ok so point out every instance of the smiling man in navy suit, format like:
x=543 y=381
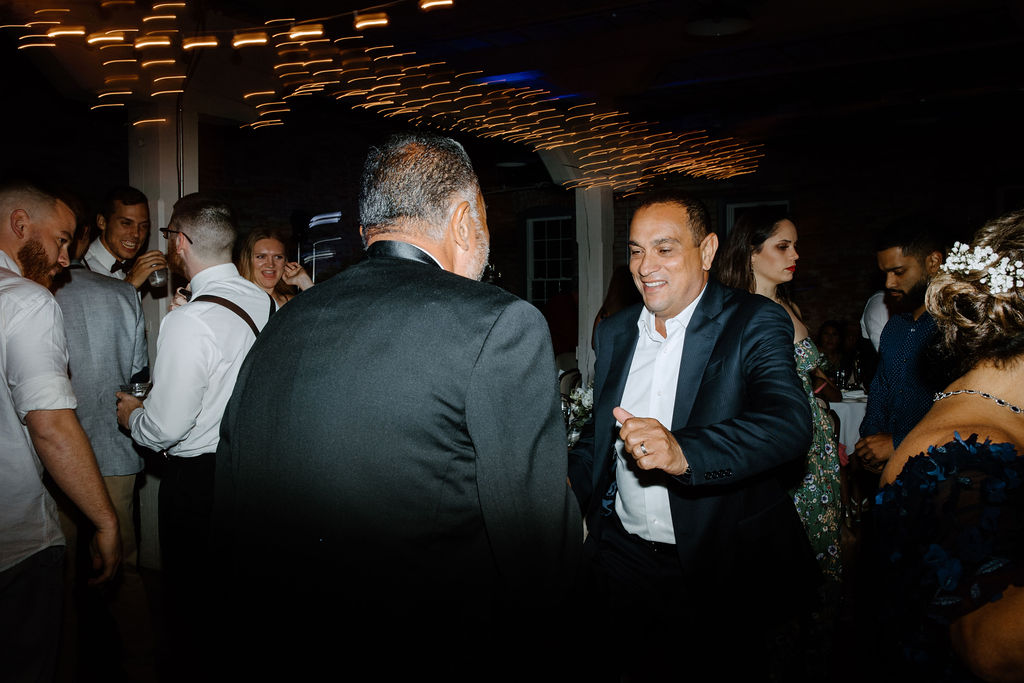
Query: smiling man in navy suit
x=694 y=549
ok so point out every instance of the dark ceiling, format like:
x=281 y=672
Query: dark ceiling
x=796 y=68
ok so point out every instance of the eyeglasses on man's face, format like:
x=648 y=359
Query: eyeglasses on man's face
x=167 y=231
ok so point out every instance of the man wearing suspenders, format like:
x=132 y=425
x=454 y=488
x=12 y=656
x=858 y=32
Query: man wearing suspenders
x=199 y=352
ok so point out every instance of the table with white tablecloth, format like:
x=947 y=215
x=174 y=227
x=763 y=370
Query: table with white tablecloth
x=850 y=412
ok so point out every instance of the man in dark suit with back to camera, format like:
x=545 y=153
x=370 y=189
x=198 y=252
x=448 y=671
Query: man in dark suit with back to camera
x=694 y=548
x=393 y=454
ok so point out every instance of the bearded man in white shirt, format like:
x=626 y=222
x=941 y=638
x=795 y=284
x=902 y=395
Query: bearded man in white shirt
x=39 y=430
x=200 y=349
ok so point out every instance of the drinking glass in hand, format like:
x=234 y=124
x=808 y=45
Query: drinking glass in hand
x=158 y=277
x=137 y=389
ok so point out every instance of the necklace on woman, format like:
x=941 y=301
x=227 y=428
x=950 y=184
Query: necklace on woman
x=1006 y=404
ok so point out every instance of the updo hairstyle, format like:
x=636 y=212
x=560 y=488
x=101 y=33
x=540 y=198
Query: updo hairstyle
x=976 y=324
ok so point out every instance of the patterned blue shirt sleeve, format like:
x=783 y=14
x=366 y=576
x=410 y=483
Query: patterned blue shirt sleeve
x=903 y=386
x=876 y=411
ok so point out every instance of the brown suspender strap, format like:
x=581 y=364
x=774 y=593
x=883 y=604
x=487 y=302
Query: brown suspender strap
x=232 y=306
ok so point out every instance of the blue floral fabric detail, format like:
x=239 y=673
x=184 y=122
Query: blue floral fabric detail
x=948 y=538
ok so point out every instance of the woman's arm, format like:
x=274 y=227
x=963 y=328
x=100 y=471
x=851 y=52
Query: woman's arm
x=990 y=640
x=824 y=387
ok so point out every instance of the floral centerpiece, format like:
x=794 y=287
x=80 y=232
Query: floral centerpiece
x=576 y=409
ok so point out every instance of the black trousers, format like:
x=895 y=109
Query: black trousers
x=664 y=626
x=31 y=596
x=185 y=515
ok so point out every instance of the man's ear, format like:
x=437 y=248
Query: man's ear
x=708 y=249
x=19 y=222
x=932 y=262
x=182 y=246
x=101 y=222
x=461 y=225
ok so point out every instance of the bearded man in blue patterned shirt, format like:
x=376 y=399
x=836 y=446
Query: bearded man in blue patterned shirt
x=901 y=391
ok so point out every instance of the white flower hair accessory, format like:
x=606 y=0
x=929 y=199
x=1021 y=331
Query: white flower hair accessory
x=1000 y=275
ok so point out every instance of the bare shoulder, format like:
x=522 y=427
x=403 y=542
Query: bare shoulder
x=939 y=428
x=799 y=328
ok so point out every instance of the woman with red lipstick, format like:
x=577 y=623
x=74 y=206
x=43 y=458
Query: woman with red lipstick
x=759 y=255
x=263 y=261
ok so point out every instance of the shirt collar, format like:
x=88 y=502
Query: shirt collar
x=221 y=271
x=9 y=263
x=646 y=321
x=99 y=253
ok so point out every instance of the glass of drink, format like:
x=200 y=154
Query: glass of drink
x=158 y=277
x=137 y=389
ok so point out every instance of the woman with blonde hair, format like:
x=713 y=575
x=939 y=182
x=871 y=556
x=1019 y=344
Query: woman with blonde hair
x=262 y=260
x=950 y=513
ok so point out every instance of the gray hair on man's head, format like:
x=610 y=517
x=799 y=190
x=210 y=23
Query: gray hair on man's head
x=412 y=183
x=209 y=223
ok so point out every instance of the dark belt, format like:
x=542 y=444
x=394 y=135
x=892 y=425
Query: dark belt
x=652 y=546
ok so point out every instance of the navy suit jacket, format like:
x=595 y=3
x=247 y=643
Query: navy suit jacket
x=744 y=424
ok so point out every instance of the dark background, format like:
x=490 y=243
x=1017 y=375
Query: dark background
x=863 y=117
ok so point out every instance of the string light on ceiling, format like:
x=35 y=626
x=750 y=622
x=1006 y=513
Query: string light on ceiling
x=193 y=42
x=101 y=37
x=306 y=31
x=370 y=20
x=249 y=38
x=610 y=150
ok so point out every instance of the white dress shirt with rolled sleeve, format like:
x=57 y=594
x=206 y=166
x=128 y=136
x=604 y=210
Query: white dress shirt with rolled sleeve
x=34 y=376
x=199 y=352
x=642 y=502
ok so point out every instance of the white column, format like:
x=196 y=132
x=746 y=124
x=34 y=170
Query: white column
x=163 y=162
x=595 y=234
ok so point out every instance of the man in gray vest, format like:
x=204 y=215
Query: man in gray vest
x=106 y=336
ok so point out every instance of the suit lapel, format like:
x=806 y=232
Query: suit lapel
x=701 y=335
x=623 y=345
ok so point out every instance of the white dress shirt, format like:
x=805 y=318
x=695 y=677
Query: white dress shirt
x=642 y=502
x=99 y=260
x=198 y=355
x=874 y=318
x=34 y=376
